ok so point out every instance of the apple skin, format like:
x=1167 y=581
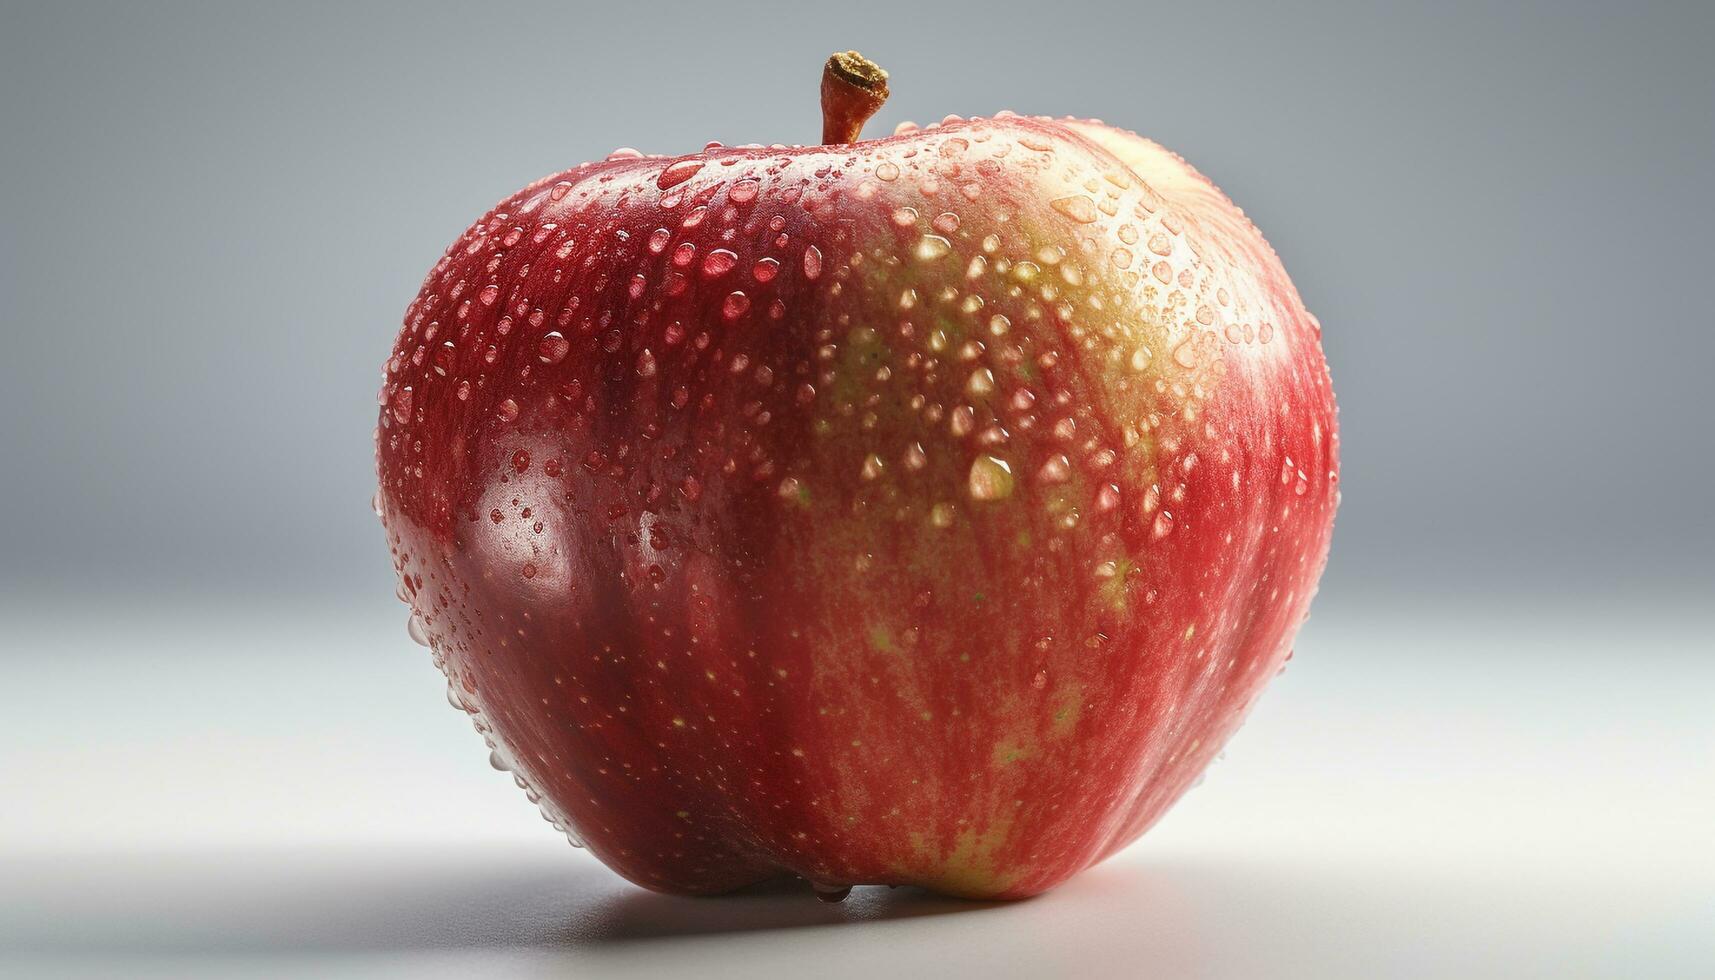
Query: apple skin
x=927 y=510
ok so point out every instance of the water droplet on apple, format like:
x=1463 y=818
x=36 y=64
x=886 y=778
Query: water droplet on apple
x=1107 y=498
x=1078 y=208
x=981 y=382
x=498 y=762
x=832 y=893
x=736 y=304
x=1058 y=469
x=1163 y=525
x=932 y=247
x=765 y=269
x=678 y=173
x=812 y=263
x=990 y=478
x=719 y=262
x=915 y=458
x=964 y=420
x=744 y=191
x=414 y=629
x=402 y=405
x=553 y=348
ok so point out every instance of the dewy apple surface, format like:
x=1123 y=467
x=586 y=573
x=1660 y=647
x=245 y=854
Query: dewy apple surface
x=925 y=510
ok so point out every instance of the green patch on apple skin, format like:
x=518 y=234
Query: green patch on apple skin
x=881 y=640
x=1068 y=707
x=864 y=351
x=1115 y=590
x=1063 y=501
x=1006 y=753
x=966 y=870
x=920 y=846
x=970 y=869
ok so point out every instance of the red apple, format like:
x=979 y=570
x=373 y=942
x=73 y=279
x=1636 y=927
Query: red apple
x=922 y=510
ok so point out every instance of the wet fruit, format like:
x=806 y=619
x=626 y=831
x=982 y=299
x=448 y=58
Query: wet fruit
x=921 y=510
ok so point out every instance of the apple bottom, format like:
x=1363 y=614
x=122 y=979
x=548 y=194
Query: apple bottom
x=702 y=731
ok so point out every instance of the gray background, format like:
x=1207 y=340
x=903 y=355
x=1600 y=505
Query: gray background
x=1491 y=756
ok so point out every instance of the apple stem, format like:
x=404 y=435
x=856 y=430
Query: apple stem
x=853 y=88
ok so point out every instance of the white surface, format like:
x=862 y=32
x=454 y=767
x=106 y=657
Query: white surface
x=1435 y=790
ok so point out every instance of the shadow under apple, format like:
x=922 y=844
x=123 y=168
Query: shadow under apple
x=478 y=911
x=377 y=901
